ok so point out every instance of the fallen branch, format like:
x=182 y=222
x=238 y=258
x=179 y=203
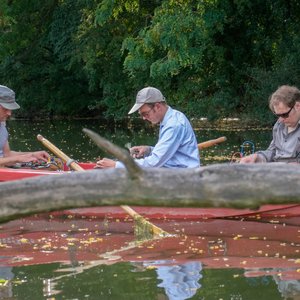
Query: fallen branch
x=134 y=171
x=222 y=185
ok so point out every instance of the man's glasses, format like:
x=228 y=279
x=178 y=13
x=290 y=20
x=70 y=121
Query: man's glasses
x=146 y=114
x=284 y=115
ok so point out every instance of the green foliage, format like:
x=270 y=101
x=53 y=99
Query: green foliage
x=37 y=65
x=210 y=58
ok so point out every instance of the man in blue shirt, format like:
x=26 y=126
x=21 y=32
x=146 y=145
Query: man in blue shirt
x=177 y=145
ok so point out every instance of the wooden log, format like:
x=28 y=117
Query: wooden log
x=220 y=185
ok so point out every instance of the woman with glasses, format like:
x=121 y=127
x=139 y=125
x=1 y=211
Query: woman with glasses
x=285 y=146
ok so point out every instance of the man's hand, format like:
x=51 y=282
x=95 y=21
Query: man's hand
x=41 y=155
x=140 y=151
x=105 y=163
x=250 y=159
x=23 y=158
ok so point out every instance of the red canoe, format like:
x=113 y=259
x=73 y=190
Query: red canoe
x=9 y=174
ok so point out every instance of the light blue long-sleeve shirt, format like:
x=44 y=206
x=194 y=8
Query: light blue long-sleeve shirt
x=176 y=147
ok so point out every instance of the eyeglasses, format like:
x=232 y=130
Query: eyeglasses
x=146 y=114
x=284 y=115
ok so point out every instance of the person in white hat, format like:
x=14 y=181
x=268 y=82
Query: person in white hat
x=7 y=156
x=177 y=145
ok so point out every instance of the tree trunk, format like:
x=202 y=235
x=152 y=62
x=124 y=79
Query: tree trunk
x=220 y=185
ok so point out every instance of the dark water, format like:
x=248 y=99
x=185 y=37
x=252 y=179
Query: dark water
x=68 y=257
x=122 y=281
x=68 y=136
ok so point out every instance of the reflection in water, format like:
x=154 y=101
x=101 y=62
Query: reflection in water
x=179 y=281
x=83 y=252
x=6 y=276
x=289 y=289
x=49 y=289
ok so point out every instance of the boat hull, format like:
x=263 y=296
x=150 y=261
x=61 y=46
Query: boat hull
x=10 y=174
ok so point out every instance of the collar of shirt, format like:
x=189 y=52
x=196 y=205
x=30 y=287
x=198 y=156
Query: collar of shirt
x=167 y=116
x=288 y=130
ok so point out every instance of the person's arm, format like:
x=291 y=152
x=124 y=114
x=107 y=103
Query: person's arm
x=12 y=157
x=105 y=163
x=253 y=158
x=260 y=156
x=136 y=152
x=267 y=155
x=264 y=155
x=160 y=154
x=140 y=151
x=167 y=145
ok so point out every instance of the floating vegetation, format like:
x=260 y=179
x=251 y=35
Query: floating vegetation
x=67 y=135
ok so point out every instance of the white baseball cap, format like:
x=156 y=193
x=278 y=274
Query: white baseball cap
x=147 y=95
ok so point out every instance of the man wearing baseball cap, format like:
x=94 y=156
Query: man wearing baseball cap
x=7 y=156
x=177 y=145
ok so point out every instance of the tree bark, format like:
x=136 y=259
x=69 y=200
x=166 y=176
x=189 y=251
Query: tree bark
x=220 y=185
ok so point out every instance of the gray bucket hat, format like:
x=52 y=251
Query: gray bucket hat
x=147 y=95
x=7 y=98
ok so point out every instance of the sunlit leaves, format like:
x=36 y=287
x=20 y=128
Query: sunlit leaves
x=109 y=9
x=167 y=42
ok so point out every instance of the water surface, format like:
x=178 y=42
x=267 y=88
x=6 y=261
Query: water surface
x=68 y=136
x=74 y=256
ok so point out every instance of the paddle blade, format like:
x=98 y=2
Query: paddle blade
x=143 y=229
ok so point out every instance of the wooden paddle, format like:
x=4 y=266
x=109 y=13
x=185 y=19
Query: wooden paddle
x=66 y=159
x=154 y=230
x=147 y=227
x=211 y=143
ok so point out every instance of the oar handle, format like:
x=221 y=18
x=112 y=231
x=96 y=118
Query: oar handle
x=66 y=159
x=211 y=143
